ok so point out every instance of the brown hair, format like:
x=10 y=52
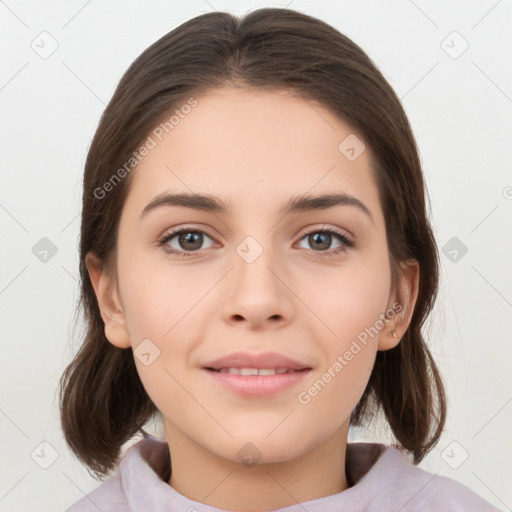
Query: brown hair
x=103 y=402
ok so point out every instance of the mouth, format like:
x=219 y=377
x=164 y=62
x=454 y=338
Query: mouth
x=256 y=375
x=256 y=371
x=256 y=383
x=247 y=363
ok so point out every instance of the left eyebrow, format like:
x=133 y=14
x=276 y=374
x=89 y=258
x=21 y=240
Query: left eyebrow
x=297 y=204
x=308 y=202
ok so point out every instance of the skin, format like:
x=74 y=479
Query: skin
x=255 y=149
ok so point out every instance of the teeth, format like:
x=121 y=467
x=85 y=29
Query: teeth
x=255 y=371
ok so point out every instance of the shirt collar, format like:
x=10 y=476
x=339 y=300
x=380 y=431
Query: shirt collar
x=145 y=471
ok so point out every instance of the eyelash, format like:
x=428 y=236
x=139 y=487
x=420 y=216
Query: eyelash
x=346 y=242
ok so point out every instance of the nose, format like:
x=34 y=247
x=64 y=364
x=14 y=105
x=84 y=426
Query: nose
x=258 y=295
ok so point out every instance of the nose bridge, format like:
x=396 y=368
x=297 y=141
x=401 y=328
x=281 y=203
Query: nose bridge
x=255 y=259
x=256 y=293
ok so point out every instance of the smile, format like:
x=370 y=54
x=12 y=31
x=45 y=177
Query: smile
x=254 y=371
x=256 y=382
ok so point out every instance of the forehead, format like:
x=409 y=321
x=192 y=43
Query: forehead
x=253 y=147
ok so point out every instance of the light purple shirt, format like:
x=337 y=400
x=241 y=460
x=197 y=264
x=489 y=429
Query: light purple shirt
x=385 y=480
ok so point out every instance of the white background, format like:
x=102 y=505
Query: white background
x=460 y=109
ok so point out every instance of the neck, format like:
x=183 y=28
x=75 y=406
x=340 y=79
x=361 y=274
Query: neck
x=206 y=477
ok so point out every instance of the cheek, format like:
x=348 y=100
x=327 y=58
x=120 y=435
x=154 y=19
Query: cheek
x=163 y=308
x=347 y=300
x=350 y=303
x=332 y=394
x=161 y=298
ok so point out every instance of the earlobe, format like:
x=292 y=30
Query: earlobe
x=108 y=301
x=402 y=302
x=388 y=338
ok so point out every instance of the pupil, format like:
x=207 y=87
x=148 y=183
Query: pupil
x=190 y=238
x=320 y=240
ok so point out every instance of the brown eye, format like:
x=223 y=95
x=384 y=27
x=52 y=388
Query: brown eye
x=191 y=240
x=321 y=240
x=183 y=241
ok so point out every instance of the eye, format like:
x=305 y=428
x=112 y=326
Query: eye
x=187 y=240
x=321 y=239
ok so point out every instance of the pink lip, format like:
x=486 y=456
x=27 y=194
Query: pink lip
x=257 y=386
x=248 y=360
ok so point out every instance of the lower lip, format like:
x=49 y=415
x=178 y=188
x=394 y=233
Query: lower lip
x=258 y=386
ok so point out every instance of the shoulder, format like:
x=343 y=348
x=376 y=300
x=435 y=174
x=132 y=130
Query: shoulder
x=108 y=496
x=404 y=486
x=143 y=468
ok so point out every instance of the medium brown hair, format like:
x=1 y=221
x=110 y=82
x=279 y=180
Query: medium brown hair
x=102 y=400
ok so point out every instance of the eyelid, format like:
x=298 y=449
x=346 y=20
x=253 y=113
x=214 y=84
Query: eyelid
x=305 y=231
x=187 y=227
x=313 y=228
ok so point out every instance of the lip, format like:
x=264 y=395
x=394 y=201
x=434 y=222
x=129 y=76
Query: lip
x=263 y=360
x=256 y=386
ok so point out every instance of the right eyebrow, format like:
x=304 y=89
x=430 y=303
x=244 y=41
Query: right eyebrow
x=203 y=202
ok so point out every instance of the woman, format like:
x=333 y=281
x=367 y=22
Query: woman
x=274 y=146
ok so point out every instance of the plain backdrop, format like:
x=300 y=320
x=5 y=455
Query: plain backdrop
x=450 y=64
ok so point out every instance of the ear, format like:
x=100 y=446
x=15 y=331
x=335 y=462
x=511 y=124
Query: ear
x=402 y=302
x=109 y=302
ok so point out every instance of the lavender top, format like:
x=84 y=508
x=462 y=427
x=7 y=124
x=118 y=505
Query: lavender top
x=383 y=480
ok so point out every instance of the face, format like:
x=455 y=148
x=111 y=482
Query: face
x=312 y=284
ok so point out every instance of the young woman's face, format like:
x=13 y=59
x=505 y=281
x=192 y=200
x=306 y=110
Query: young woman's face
x=253 y=278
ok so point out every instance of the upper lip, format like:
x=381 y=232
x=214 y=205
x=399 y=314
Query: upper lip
x=248 y=360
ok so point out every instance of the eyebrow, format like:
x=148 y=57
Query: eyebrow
x=297 y=204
